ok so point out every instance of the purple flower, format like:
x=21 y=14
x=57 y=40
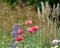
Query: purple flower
x=12 y=44
x=13 y=39
x=16 y=27
x=13 y=33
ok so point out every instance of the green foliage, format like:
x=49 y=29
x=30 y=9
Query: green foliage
x=34 y=3
x=51 y=2
x=10 y=2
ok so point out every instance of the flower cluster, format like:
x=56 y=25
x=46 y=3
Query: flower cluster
x=17 y=31
x=33 y=28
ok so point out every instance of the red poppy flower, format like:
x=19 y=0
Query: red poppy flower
x=29 y=30
x=35 y=27
x=29 y=22
x=19 y=38
x=20 y=31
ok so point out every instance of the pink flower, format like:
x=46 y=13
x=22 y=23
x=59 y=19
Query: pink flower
x=29 y=30
x=20 y=31
x=35 y=27
x=29 y=22
x=19 y=38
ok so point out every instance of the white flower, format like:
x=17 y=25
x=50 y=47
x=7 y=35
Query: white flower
x=55 y=41
x=16 y=47
x=59 y=41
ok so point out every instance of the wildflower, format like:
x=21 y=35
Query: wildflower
x=29 y=22
x=59 y=41
x=19 y=38
x=12 y=44
x=29 y=30
x=35 y=27
x=13 y=33
x=16 y=27
x=20 y=31
x=55 y=41
x=13 y=39
x=16 y=47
